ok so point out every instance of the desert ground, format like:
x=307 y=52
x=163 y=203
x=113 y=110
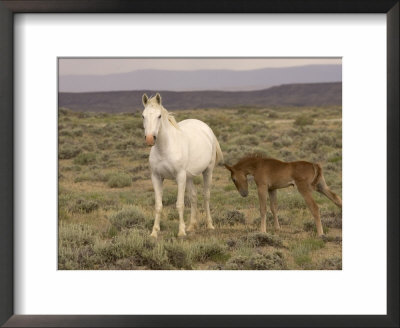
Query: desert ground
x=106 y=198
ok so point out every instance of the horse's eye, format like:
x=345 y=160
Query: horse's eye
x=159 y=116
x=233 y=179
x=142 y=116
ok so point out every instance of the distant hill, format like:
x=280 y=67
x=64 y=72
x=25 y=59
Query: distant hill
x=201 y=80
x=315 y=94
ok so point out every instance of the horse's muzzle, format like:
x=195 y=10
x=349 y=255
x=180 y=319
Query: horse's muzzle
x=150 y=140
x=244 y=193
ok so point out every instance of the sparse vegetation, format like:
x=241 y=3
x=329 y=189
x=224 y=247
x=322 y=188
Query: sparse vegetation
x=68 y=151
x=303 y=120
x=106 y=199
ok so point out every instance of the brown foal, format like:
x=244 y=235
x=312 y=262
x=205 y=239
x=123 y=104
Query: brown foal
x=271 y=174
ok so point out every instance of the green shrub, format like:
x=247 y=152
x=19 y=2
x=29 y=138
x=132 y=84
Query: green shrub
x=272 y=137
x=230 y=218
x=75 y=246
x=130 y=144
x=91 y=176
x=77 y=132
x=271 y=261
x=210 y=250
x=85 y=158
x=119 y=180
x=286 y=153
x=334 y=263
x=76 y=258
x=286 y=141
x=252 y=140
x=291 y=200
x=169 y=198
x=309 y=226
x=247 y=139
x=264 y=261
x=257 y=239
x=156 y=259
x=132 y=244
x=177 y=256
x=335 y=159
x=82 y=205
x=303 y=120
x=128 y=217
x=332 y=220
x=277 y=144
x=75 y=234
x=239 y=262
x=230 y=187
x=301 y=250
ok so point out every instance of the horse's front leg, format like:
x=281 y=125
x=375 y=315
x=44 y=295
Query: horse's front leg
x=262 y=197
x=180 y=202
x=157 y=185
x=191 y=189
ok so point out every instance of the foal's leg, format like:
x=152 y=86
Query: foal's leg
x=262 y=197
x=180 y=202
x=273 y=205
x=158 y=191
x=191 y=189
x=207 y=177
x=306 y=191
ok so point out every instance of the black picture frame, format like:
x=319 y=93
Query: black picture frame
x=7 y=10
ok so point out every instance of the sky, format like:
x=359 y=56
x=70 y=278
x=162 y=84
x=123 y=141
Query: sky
x=106 y=66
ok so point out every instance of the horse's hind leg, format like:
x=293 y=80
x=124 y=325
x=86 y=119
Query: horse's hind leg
x=306 y=191
x=323 y=188
x=273 y=205
x=158 y=191
x=191 y=189
x=207 y=177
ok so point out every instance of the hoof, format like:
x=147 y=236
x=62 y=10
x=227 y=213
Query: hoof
x=154 y=234
x=191 y=227
x=323 y=237
x=277 y=228
x=210 y=227
x=181 y=234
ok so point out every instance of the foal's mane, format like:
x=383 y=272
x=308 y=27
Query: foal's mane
x=250 y=159
x=165 y=114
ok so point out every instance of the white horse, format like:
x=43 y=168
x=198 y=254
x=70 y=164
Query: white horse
x=179 y=151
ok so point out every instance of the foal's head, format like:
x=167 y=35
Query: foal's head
x=151 y=118
x=239 y=178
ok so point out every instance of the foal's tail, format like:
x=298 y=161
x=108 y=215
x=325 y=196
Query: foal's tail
x=220 y=156
x=317 y=175
x=320 y=185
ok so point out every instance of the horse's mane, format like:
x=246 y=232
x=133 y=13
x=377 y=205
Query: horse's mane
x=170 y=117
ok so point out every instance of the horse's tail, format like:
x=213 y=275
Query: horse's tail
x=317 y=175
x=220 y=156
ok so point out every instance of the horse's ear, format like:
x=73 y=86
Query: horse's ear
x=158 y=98
x=228 y=167
x=144 y=99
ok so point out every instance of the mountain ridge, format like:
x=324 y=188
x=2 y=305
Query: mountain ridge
x=293 y=95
